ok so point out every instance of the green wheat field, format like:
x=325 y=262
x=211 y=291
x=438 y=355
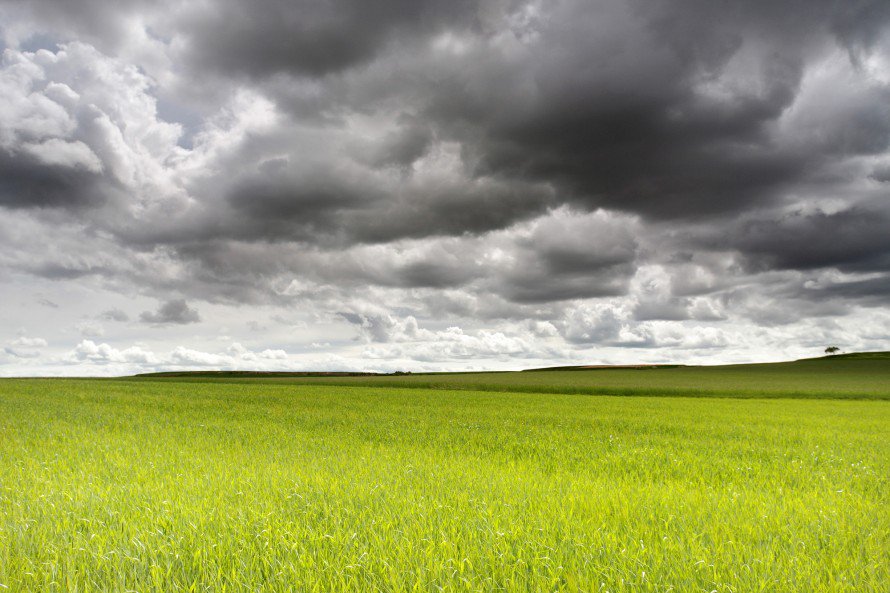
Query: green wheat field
x=451 y=482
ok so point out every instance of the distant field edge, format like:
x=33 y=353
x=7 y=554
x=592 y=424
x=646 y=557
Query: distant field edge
x=610 y=391
x=855 y=376
x=876 y=355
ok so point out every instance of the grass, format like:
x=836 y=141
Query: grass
x=854 y=376
x=268 y=486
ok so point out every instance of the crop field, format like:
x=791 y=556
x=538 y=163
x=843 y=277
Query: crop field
x=261 y=486
x=856 y=376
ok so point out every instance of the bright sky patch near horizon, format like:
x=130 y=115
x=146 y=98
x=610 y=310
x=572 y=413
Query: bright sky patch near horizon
x=418 y=185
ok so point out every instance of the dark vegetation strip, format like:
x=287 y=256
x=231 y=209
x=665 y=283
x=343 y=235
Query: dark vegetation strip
x=555 y=389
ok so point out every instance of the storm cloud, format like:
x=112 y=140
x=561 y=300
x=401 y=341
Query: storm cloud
x=417 y=183
x=175 y=311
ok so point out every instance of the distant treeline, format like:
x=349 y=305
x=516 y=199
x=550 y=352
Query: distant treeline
x=257 y=374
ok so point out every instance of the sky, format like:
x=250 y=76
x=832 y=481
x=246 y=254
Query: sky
x=429 y=185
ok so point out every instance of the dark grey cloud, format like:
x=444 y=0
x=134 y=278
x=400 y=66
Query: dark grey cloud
x=176 y=311
x=114 y=314
x=310 y=37
x=669 y=309
x=65 y=270
x=27 y=182
x=453 y=209
x=401 y=147
x=570 y=257
x=874 y=291
x=666 y=110
x=601 y=326
x=855 y=239
x=671 y=110
x=301 y=209
x=93 y=20
x=881 y=174
x=378 y=328
x=779 y=306
x=536 y=287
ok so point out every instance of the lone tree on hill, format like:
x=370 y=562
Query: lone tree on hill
x=832 y=350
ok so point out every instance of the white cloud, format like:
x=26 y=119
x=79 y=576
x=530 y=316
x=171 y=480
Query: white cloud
x=76 y=108
x=404 y=339
x=182 y=356
x=139 y=359
x=24 y=347
x=89 y=351
x=56 y=151
x=29 y=342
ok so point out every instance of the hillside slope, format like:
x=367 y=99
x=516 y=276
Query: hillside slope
x=858 y=376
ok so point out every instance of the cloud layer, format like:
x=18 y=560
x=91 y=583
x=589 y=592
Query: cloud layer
x=424 y=183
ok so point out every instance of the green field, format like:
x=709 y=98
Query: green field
x=264 y=485
x=855 y=376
